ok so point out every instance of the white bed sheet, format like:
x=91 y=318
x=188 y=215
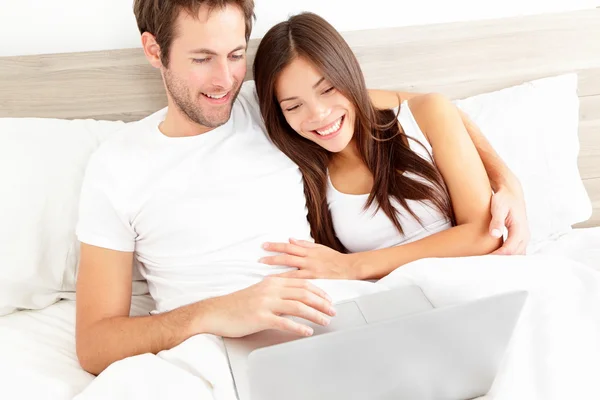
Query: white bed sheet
x=37 y=349
x=37 y=352
x=582 y=245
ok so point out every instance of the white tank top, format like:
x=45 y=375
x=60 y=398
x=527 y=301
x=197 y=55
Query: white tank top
x=364 y=230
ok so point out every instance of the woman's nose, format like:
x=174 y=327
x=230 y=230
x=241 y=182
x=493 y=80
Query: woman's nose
x=319 y=113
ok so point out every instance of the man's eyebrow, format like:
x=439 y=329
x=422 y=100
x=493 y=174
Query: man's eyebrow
x=214 y=53
x=240 y=47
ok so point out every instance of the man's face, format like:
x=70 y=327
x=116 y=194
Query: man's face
x=207 y=64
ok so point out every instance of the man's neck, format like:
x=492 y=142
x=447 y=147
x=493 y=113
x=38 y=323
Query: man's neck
x=177 y=124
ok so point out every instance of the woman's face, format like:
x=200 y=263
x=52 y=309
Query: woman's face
x=313 y=107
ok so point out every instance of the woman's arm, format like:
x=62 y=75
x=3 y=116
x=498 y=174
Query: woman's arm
x=508 y=205
x=462 y=169
x=498 y=172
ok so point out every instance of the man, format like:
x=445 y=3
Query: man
x=193 y=192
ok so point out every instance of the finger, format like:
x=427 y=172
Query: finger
x=516 y=239
x=310 y=299
x=288 y=248
x=303 y=243
x=522 y=248
x=499 y=252
x=509 y=247
x=525 y=238
x=286 y=260
x=301 y=310
x=306 y=285
x=297 y=274
x=496 y=228
x=499 y=214
x=286 y=324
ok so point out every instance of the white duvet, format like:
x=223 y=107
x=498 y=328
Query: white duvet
x=37 y=352
x=554 y=353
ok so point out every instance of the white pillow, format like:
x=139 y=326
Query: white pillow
x=534 y=128
x=42 y=163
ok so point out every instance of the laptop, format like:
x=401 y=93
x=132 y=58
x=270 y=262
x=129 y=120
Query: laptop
x=388 y=345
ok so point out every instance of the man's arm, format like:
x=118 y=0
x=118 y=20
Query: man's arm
x=105 y=333
x=508 y=203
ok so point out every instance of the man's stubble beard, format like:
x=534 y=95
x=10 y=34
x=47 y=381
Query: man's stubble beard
x=182 y=98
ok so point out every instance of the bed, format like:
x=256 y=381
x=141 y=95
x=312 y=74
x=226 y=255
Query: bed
x=37 y=351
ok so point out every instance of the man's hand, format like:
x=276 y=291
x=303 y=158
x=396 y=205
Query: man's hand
x=106 y=333
x=314 y=261
x=508 y=212
x=261 y=306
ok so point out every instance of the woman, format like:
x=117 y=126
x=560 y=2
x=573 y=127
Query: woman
x=388 y=183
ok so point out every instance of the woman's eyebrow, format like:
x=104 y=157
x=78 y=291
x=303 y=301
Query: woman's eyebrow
x=318 y=83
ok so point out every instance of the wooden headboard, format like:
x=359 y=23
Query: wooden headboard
x=457 y=59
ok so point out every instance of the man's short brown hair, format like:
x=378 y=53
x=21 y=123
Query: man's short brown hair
x=158 y=17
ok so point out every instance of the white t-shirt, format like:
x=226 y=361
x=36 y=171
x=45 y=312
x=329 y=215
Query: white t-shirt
x=363 y=230
x=195 y=210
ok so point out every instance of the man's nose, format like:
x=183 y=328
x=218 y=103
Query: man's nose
x=221 y=75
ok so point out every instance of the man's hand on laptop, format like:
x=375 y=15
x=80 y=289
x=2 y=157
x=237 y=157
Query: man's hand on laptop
x=262 y=306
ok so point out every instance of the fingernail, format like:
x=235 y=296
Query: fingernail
x=496 y=233
x=262 y=260
x=332 y=311
x=265 y=246
x=326 y=321
x=308 y=331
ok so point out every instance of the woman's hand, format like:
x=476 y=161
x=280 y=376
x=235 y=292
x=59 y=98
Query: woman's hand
x=314 y=261
x=509 y=213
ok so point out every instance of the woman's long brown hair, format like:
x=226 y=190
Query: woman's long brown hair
x=380 y=142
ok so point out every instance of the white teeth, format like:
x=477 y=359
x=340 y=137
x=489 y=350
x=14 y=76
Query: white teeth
x=331 y=130
x=215 y=97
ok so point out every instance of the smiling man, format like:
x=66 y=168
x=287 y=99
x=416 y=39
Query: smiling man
x=190 y=194
x=202 y=82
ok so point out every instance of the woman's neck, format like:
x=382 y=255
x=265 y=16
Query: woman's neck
x=347 y=158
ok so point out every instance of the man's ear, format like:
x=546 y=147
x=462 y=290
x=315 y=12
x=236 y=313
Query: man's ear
x=151 y=49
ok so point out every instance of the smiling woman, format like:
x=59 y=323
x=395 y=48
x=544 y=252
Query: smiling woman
x=318 y=112
x=400 y=164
